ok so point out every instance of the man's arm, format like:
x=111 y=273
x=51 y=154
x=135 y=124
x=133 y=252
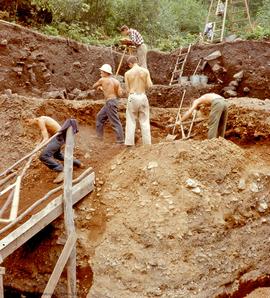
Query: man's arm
x=127 y=82
x=149 y=82
x=195 y=105
x=43 y=129
x=98 y=83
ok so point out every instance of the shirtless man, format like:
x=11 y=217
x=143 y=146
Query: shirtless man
x=137 y=80
x=218 y=114
x=112 y=91
x=52 y=151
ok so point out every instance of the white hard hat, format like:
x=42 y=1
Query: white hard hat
x=106 y=68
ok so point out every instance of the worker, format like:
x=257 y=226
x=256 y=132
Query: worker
x=49 y=127
x=220 y=9
x=112 y=91
x=137 y=80
x=136 y=40
x=218 y=114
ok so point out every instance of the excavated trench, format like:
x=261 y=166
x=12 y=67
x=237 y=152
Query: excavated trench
x=248 y=126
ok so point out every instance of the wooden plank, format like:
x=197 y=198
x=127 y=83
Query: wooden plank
x=16 y=199
x=4 y=180
x=60 y=265
x=40 y=146
x=68 y=211
x=7 y=189
x=7 y=203
x=2 y=272
x=44 y=217
x=42 y=200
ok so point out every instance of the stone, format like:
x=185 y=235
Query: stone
x=8 y=92
x=228 y=88
x=234 y=84
x=246 y=90
x=4 y=42
x=231 y=38
x=191 y=183
x=152 y=165
x=230 y=93
x=113 y=167
x=239 y=75
x=254 y=187
x=242 y=184
x=61 y=94
x=262 y=206
x=213 y=56
x=77 y=64
x=196 y=190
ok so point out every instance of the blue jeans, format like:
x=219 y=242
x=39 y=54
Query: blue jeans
x=110 y=112
x=53 y=151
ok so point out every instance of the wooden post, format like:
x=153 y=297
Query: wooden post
x=57 y=271
x=224 y=21
x=248 y=14
x=2 y=272
x=68 y=211
x=121 y=61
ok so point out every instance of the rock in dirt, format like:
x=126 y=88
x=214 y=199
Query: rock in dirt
x=230 y=93
x=191 y=183
x=152 y=165
x=239 y=75
x=58 y=94
x=242 y=184
x=213 y=56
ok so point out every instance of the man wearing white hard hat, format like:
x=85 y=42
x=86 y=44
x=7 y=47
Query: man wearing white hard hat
x=112 y=91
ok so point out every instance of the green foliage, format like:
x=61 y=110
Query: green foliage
x=258 y=33
x=164 y=24
x=263 y=15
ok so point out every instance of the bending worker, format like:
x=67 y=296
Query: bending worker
x=136 y=40
x=49 y=127
x=112 y=91
x=218 y=114
x=137 y=80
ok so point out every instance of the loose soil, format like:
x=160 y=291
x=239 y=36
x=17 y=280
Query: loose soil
x=175 y=219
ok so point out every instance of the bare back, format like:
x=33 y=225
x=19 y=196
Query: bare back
x=48 y=126
x=138 y=79
x=111 y=87
x=207 y=98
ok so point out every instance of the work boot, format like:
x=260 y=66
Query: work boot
x=59 y=178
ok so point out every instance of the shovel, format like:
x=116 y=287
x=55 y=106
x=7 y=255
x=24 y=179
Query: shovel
x=171 y=137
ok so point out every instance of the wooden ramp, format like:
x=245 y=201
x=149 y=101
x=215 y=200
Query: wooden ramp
x=20 y=228
x=44 y=217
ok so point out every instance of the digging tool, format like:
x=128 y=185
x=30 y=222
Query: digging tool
x=196 y=69
x=171 y=137
x=191 y=124
x=121 y=61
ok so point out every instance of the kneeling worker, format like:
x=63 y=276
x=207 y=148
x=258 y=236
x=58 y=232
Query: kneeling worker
x=49 y=127
x=218 y=114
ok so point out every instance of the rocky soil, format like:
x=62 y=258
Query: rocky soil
x=185 y=218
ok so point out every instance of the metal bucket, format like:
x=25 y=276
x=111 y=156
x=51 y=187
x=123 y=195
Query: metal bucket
x=195 y=80
x=183 y=81
x=203 y=80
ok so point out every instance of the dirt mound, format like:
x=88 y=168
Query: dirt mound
x=32 y=63
x=175 y=220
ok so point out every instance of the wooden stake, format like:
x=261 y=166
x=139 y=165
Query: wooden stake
x=68 y=211
x=120 y=63
x=191 y=125
x=2 y=272
x=59 y=267
x=224 y=20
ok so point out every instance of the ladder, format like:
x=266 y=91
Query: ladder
x=179 y=66
x=221 y=11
